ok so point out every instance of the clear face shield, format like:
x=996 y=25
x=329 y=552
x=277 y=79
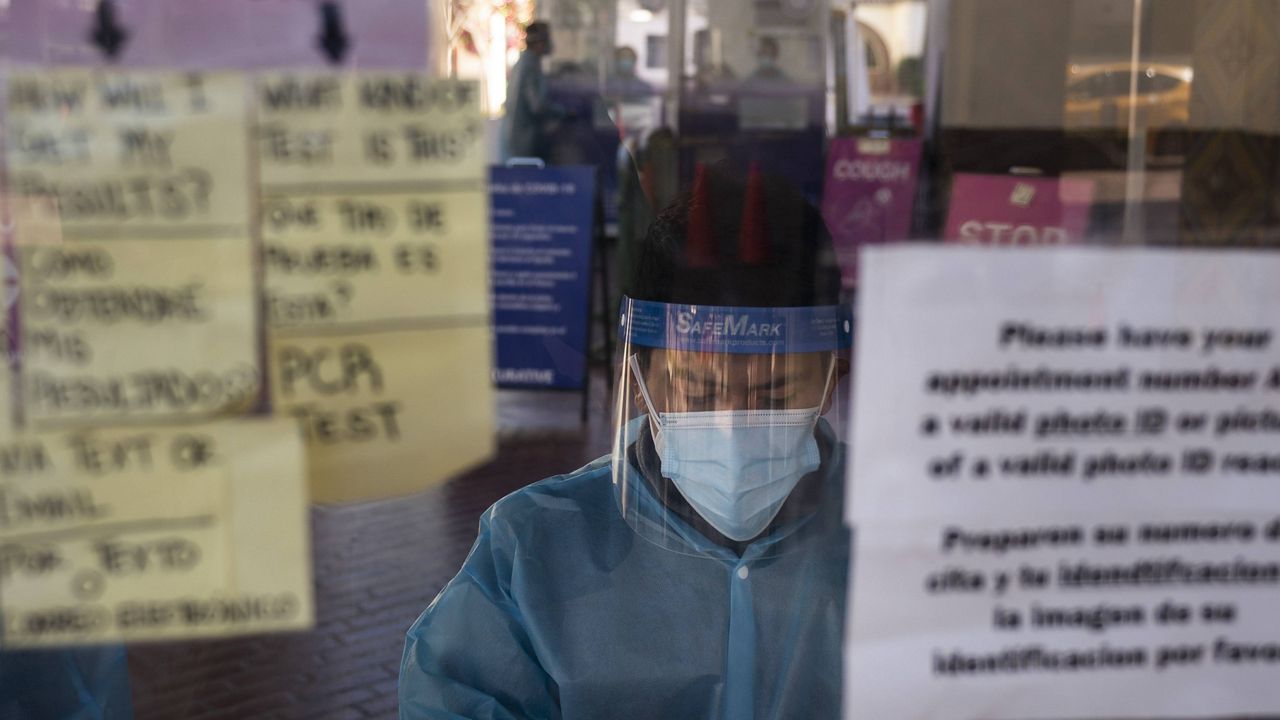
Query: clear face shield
x=728 y=424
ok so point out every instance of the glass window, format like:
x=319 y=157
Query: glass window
x=623 y=175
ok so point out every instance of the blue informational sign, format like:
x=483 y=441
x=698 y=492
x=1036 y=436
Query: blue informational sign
x=542 y=230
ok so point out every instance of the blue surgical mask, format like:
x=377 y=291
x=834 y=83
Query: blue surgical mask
x=736 y=468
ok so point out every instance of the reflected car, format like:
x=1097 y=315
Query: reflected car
x=1098 y=96
x=1098 y=103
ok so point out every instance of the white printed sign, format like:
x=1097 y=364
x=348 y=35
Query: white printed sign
x=1066 y=485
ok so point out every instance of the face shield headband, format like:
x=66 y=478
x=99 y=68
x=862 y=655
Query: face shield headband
x=740 y=330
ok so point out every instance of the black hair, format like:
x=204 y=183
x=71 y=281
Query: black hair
x=726 y=242
x=536 y=30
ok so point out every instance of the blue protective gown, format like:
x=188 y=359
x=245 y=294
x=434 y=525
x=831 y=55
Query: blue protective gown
x=85 y=683
x=563 y=611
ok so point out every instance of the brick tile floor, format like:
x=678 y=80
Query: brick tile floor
x=377 y=565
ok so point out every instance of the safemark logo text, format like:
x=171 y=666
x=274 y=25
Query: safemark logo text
x=726 y=325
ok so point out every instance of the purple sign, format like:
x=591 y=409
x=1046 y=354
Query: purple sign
x=868 y=195
x=1010 y=210
x=205 y=34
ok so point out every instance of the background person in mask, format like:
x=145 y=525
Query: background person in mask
x=633 y=102
x=624 y=84
x=530 y=114
x=767 y=69
x=699 y=570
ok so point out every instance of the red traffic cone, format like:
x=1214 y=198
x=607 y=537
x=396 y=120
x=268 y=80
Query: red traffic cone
x=699 y=242
x=753 y=237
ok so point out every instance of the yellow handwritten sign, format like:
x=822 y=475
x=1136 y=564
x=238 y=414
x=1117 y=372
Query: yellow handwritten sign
x=362 y=257
x=105 y=336
x=131 y=150
x=386 y=413
x=375 y=247
x=378 y=128
x=136 y=270
x=147 y=533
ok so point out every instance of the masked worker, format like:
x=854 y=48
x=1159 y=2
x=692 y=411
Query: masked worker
x=699 y=570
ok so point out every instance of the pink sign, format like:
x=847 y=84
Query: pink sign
x=868 y=195
x=211 y=34
x=1009 y=210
